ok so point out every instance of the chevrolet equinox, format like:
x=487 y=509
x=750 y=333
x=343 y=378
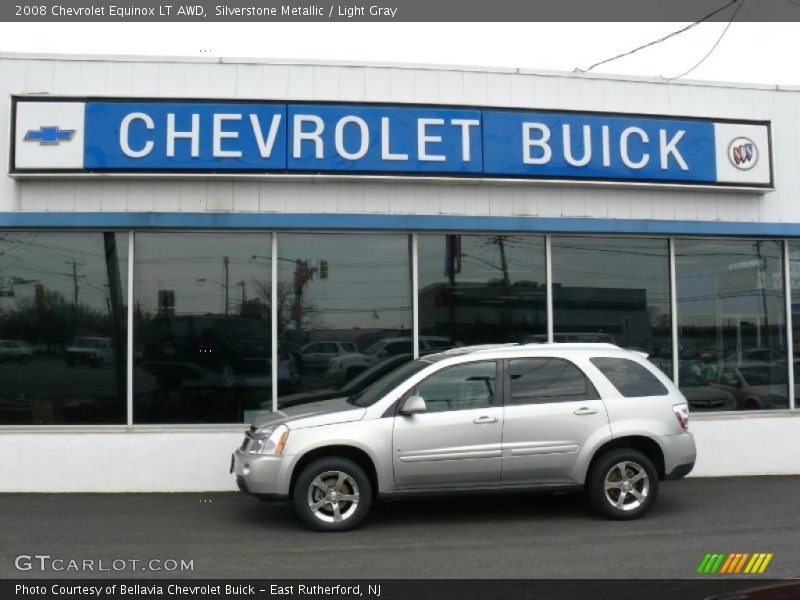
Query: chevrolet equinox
x=553 y=417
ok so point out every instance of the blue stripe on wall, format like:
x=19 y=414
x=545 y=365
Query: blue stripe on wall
x=173 y=220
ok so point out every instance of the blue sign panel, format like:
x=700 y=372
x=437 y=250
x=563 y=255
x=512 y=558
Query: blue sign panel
x=384 y=139
x=598 y=147
x=253 y=137
x=185 y=136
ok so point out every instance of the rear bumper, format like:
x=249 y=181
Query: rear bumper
x=680 y=471
x=680 y=454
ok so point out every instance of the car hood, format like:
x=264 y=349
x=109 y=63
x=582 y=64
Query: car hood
x=326 y=412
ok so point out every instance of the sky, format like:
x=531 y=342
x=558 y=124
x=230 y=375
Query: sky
x=763 y=53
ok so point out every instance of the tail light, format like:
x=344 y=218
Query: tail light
x=682 y=414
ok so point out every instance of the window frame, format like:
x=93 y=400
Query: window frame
x=507 y=395
x=499 y=392
x=625 y=359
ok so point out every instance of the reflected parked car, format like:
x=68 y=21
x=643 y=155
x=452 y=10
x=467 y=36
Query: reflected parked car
x=758 y=354
x=755 y=385
x=351 y=388
x=14 y=350
x=343 y=368
x=208 y=350
x=92 y=351
x=563 y=338
x=317 y=355
x=702 y=396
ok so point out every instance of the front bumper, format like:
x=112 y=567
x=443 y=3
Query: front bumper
x=262 y=476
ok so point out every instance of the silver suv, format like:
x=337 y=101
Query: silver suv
x=541 y=416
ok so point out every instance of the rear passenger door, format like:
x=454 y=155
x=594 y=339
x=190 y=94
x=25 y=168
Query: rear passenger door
x=551 y=411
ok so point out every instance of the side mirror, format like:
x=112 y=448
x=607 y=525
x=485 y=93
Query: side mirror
x=413 y=405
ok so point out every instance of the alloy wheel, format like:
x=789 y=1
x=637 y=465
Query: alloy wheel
x=626 y=485
x=333 y=496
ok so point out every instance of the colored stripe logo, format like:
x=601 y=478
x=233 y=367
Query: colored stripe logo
x=735 y=563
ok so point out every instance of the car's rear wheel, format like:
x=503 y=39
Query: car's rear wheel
x=623 y=484
x=332 y=494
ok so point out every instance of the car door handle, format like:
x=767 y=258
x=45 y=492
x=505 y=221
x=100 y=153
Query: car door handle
x=586 y=411
x=485 y=419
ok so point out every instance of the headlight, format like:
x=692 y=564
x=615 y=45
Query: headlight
x=270 y=441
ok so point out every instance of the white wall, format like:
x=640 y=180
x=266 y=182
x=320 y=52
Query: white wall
x=222 y=79
x=117 y=462
x=747 y=445
x=198 y=461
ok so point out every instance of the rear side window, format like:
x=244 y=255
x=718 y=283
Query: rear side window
x=542 y=380
x=629 y=377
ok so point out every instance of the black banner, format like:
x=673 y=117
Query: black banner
x=393 y=589
x=244 y=11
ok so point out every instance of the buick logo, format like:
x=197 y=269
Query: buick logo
x=743 y=153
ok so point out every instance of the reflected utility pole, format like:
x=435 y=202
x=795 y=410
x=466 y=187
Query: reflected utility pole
x=226 y=283
x=75 y=277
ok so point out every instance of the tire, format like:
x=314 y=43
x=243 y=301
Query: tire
x=644 y=490
x=329 y=471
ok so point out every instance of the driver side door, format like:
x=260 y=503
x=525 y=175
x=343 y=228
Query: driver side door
x=457 y=441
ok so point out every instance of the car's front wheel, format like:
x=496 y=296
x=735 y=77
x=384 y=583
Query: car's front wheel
x=623 y=484
x=332 y=494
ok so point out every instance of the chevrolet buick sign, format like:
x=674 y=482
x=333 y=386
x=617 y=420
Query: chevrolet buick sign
x=169 y=137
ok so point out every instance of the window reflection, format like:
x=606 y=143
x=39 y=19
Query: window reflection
x=62 y=328
x=202 y=323
x=733 y=353
x=344 y=307
x=613 y=290
x=476 y=289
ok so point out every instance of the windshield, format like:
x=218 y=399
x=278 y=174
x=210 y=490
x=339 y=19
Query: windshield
x=387 y=383
x=87 y=342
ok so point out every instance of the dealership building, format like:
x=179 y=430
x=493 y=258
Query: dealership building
x=185 y=243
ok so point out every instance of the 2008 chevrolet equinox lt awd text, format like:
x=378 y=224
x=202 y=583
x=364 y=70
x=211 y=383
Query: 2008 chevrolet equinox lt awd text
x=508 y=417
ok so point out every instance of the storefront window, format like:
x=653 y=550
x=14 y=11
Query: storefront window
x=62 y=328
x=731 y=324
x=613 y=290
x=794 y=274
x=201 y=327
x=344 y=311
x=476 y=289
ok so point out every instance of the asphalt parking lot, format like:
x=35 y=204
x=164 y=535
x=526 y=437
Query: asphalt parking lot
x=500 y=536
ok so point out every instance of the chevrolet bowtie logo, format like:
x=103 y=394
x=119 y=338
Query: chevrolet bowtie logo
x=49 y=135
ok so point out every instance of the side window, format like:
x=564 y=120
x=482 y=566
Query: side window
x=542 y=380
x=327 y=348
x=461 y=387
x=629 y=377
